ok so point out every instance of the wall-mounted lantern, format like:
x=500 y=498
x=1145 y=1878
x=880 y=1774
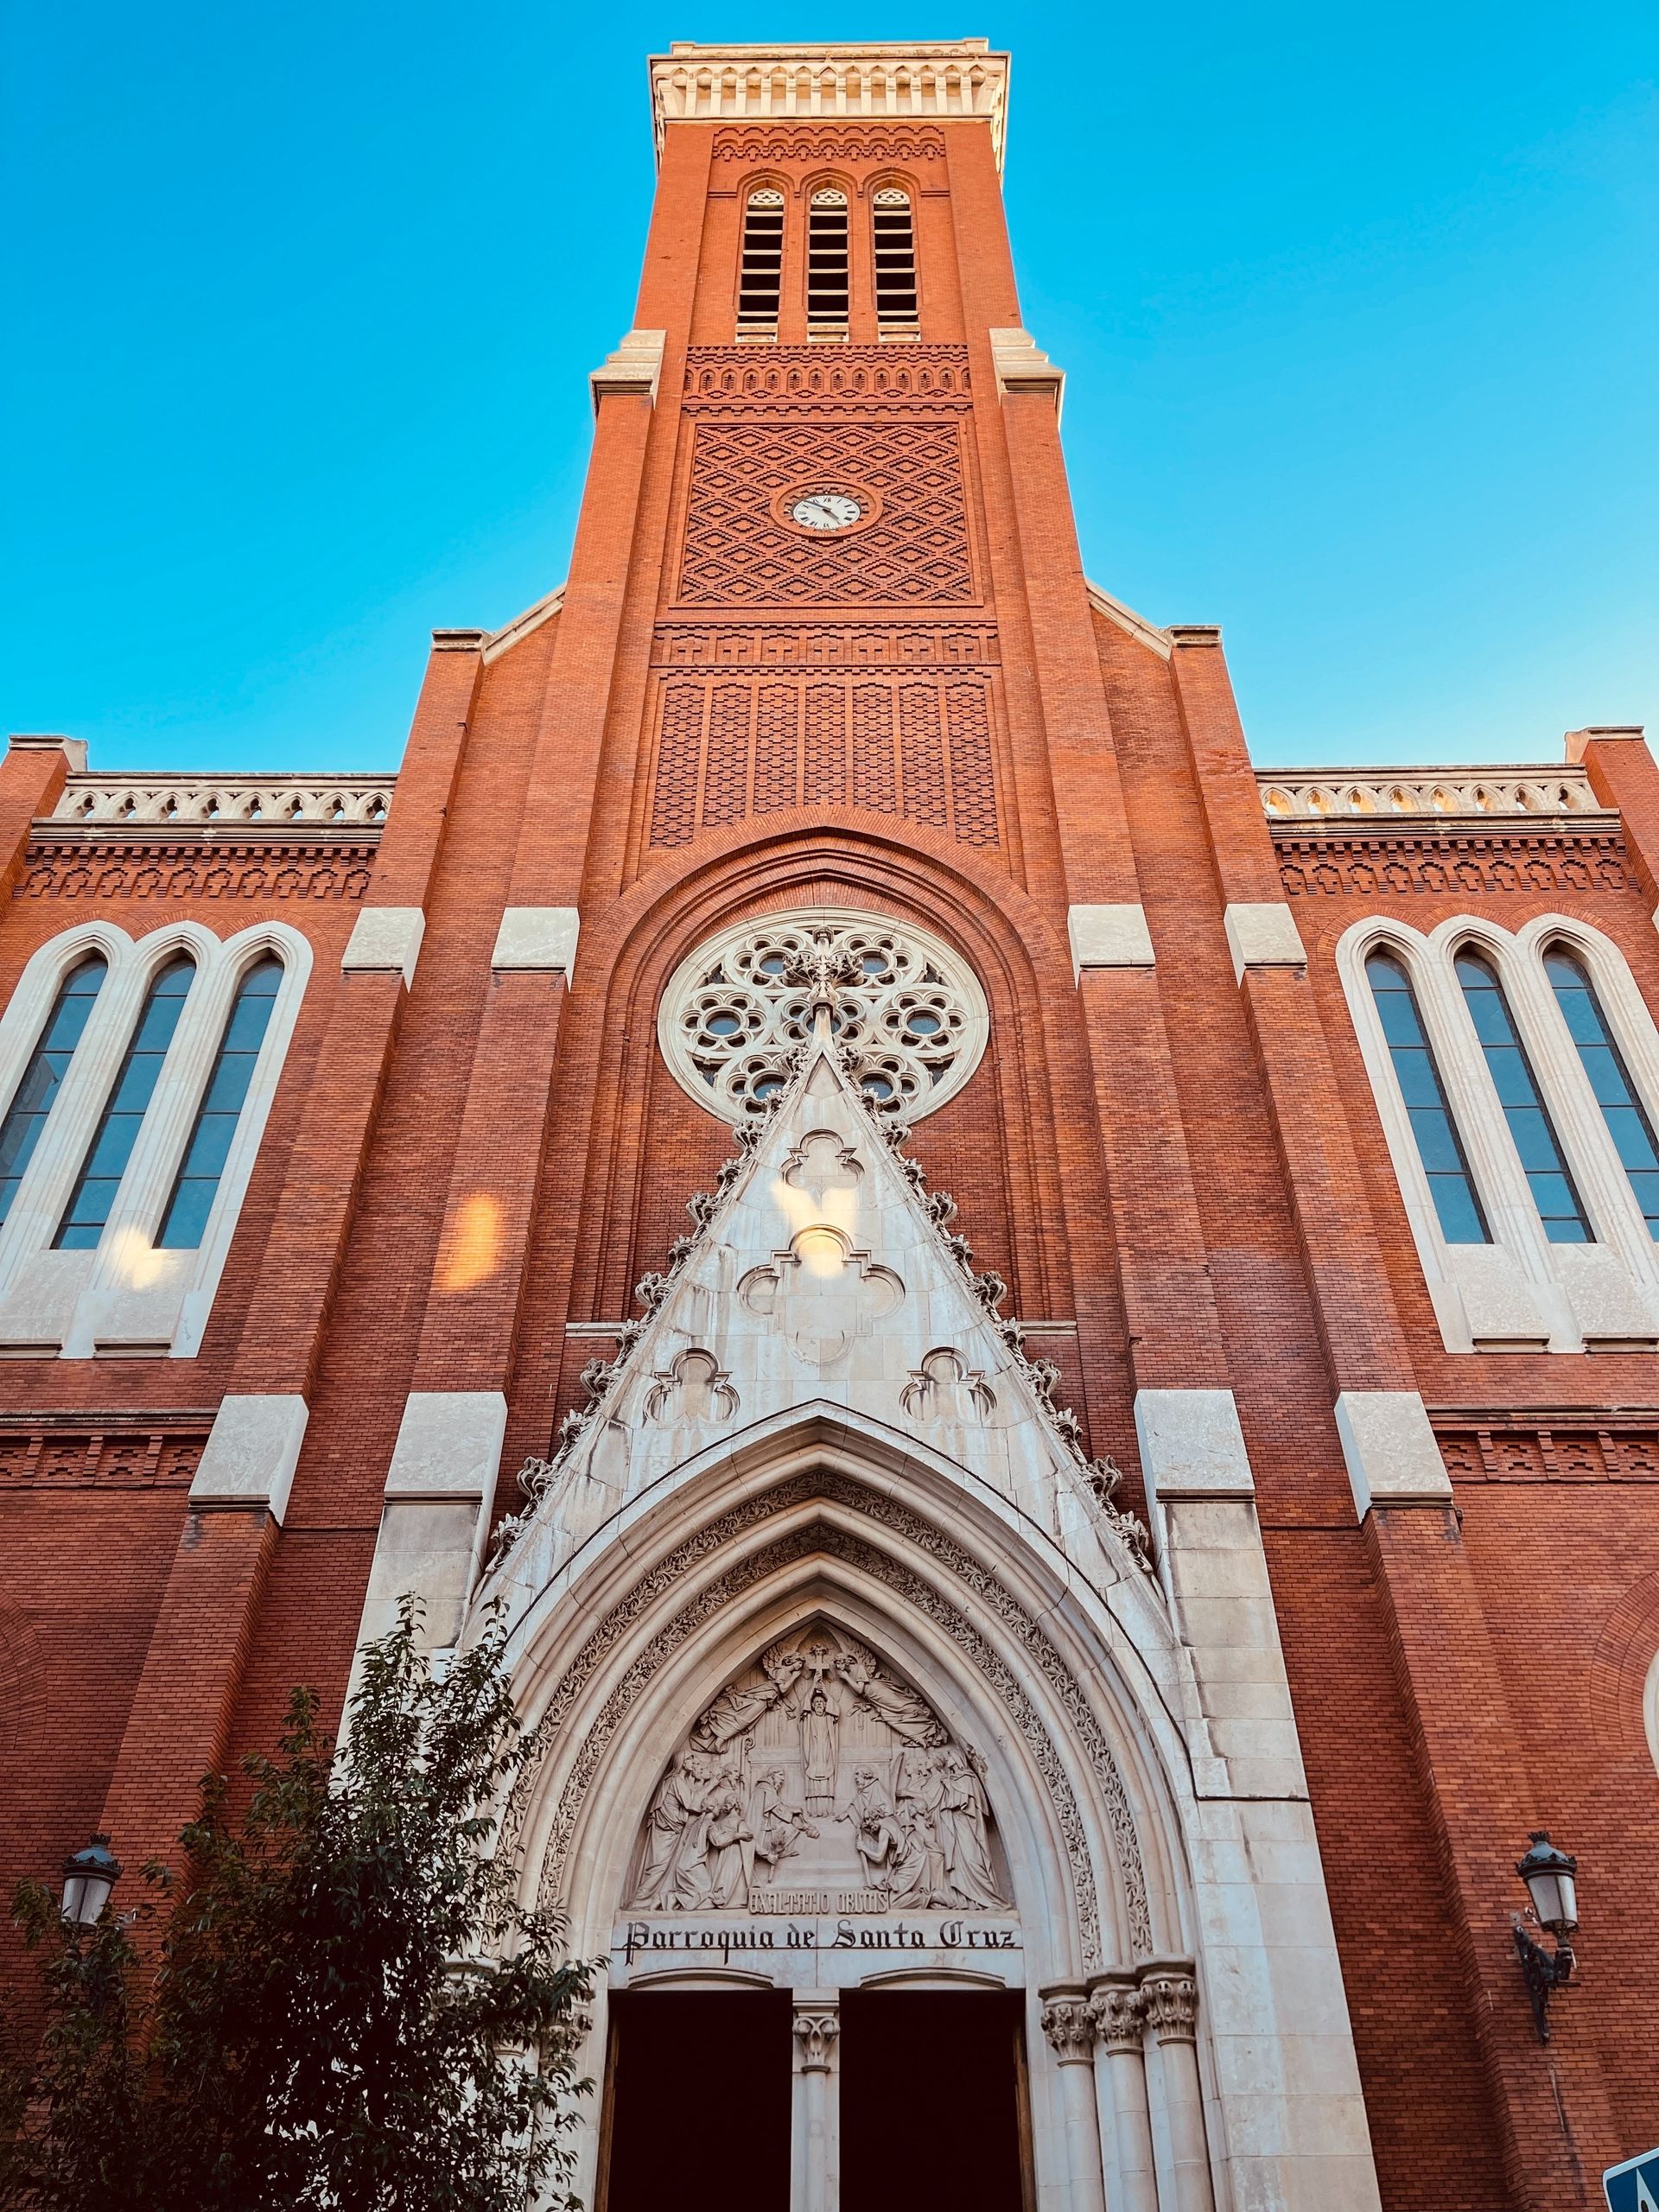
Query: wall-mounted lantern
x=1551 y=1877
x=88 y=1877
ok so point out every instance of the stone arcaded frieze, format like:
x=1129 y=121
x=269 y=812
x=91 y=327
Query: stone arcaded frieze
x=876 y=83
x=172 y=804
x=1478 y=794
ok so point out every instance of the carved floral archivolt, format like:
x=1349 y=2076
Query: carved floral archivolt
x=983 y=1593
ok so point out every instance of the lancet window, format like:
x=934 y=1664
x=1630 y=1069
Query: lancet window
x=42 y=1077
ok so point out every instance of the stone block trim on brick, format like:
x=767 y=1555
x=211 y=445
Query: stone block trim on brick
x=251 y=1452
x=635 y=367
x=1263 y=934
x=541 y=938
x=1108 y=937
x=1390 y=1451
x=384 y=939
x=448 y=1445
x=1192 y=1445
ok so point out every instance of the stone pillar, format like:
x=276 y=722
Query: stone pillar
x=1171 y=2003
x=1070 y=2026
x=1120 y=2017
x=815 y=2165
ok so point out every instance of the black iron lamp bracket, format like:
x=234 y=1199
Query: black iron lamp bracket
x=1544 y=1971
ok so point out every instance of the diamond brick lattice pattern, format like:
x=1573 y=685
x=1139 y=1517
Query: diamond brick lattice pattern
x=730 y=746
x=914 y=553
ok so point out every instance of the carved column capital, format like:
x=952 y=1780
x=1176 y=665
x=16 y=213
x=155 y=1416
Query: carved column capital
x=817 y=2026
x=1068 y=2024
x=1120 y=2014
x=1172 y=2001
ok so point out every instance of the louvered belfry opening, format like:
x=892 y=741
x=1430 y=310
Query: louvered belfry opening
x=826 y=265
x=894 y=235
x=761 y=279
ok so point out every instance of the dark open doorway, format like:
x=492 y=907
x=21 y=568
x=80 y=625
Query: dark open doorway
x=696 y=2101
x=932 y=2104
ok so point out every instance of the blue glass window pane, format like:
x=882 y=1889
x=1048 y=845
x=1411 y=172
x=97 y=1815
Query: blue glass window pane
x=1626 y=1118
x=1457 y=1204
x=1533 y=1133
x=192 y=1202
x=90 y=1205
x=48 y=1065
x=1460 y=1217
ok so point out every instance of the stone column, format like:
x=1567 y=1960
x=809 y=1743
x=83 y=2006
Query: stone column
x=1172 y=2002
x=1120 y=2017
x=1070 y=2026
x=814 y=2163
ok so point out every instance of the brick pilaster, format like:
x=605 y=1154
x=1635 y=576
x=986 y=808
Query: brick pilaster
x=32 y=774
x=1624 y=774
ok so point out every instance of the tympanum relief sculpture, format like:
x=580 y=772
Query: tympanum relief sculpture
x=818 y=1769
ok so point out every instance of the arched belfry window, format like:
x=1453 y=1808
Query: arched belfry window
x=1542 y=1162
x=1440 y=1147
x=761 y=276
x=43 y=1078
x=826 y=264
x=894 y=236
x=1622 y=1109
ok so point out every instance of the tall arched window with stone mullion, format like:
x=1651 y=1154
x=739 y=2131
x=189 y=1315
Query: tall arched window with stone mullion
x=92 y=1200
x=202 y=1168
x=42 y=1077
x=760 y=276
x=1622 y=1109
x=1440 y=1145
x=1531 y=1126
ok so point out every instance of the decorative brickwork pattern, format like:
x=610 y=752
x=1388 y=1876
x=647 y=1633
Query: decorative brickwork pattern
x=769 y=143
x=93 y=1458
x=733 y=374
x=1578 y=1451
x=1365 y=866
x=156 y=871
x=915 y=552
x=728 y=748
x=826 y=645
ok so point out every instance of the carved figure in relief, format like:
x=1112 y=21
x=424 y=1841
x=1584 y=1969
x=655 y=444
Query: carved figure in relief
x=962 y=1815
x=734 y=1712
x=726 y=1831
x=819 y=1722
x=674 y=1819
x=778 y=1826
x=903 y=1712
x=877 y=1837
x=757 y=1798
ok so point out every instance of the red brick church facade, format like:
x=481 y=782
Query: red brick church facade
x=1224 y=1076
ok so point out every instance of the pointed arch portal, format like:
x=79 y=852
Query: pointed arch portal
x=864 y=1728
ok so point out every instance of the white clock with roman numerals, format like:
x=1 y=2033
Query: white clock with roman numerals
x=827 y=511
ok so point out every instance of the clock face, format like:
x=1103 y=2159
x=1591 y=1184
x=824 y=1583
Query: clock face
x=826 y=510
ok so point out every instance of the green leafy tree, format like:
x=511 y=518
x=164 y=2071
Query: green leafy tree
x=346 y=2008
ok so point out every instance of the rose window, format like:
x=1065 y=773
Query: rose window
x=910 y=1013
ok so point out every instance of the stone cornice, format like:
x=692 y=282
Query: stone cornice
x=875 y=83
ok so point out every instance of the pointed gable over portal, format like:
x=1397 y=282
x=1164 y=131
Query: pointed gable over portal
x=821 y=1276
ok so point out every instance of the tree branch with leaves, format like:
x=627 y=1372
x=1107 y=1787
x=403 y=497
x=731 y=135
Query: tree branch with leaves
x=346 y=2008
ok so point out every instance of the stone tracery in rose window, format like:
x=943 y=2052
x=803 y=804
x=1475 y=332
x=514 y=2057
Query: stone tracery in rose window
x=911 y=1015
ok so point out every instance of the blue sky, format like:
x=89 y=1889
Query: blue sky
x=1358 y=308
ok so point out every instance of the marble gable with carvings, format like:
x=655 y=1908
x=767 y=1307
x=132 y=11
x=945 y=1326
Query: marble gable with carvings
x=821 y=1276
x=819 y=1780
